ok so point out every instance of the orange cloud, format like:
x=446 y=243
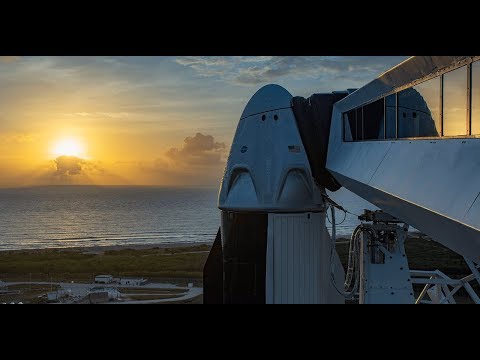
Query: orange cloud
x=199 y=161
x=200 y=150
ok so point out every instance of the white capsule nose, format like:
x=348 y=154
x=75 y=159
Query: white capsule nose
x=268 y=98
x=268 y=169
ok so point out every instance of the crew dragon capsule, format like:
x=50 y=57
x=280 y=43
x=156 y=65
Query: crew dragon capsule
x=273 y=245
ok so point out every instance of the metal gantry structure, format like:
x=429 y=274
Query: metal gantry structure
x=385 y=274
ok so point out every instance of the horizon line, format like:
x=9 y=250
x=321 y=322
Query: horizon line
x=94 y=185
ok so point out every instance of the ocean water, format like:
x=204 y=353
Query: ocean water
x=71 y=216
x=83 y=216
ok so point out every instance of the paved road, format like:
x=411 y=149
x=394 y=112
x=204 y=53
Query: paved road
x=190 y=295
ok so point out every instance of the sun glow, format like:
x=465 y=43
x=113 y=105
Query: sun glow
x=68 y=147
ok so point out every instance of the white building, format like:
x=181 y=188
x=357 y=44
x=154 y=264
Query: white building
x=104 y=279
x=133 y=281
x=59 y=294
x=112 y=293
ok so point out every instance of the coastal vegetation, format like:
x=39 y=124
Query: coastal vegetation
x=59 y=265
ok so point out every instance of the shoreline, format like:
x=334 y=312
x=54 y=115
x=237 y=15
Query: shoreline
x=96 y=249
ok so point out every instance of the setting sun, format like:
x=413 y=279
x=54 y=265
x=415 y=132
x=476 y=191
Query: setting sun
x=68 y=147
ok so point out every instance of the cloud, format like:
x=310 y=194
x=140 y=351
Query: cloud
x=70 y=170
x=198 y=161
x=69 y=165
x=98 y=114
x=149 y=101
x=198 y=61
x=199 y=150
x=246 y=70
x=9 y=59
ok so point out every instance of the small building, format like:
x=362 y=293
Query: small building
x=59 y=294
x=112 y=293
x=52 y=296
x=104 y=279
x=133 y=281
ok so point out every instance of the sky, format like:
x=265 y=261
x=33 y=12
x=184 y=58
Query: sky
x=144 y=120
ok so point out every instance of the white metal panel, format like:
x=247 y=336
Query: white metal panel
x=335 y=141
x=267 y=146
x=449 y=167
x=360 y=158
x=243 y=191
x=473 y=212
x=298 y=260
x=461 y=238
x=387 y=283
x=430 y=184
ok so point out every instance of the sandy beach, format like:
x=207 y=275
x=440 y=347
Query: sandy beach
x=102 y=249
x=99 y=249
